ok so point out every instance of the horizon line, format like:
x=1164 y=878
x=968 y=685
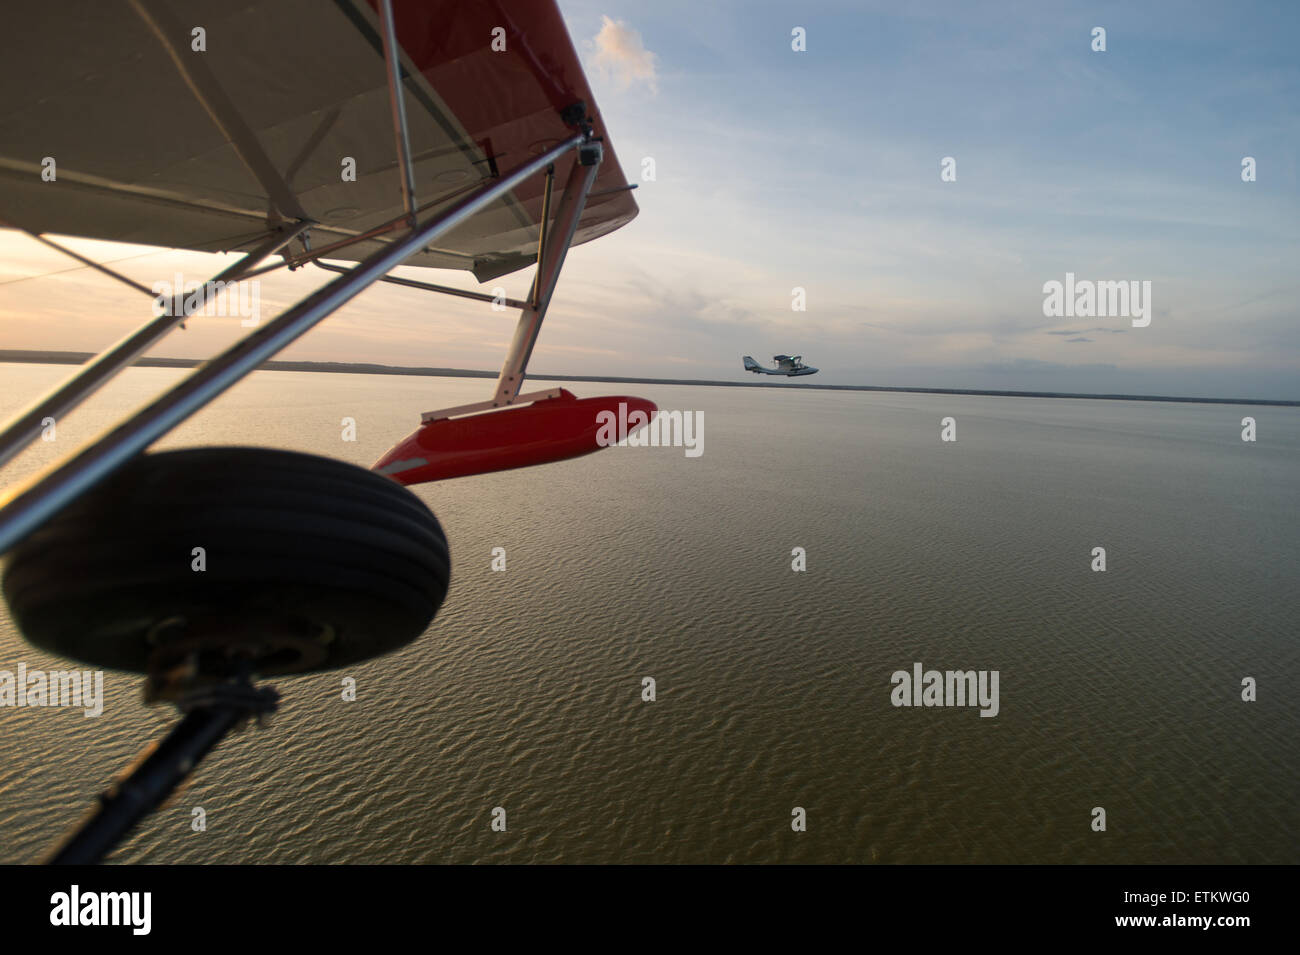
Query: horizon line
x=40 y=357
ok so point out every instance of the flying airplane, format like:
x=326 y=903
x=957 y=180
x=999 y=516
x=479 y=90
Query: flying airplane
x=785 y=365
x=434 y=133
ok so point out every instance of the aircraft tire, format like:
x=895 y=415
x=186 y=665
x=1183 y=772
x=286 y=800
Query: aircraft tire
x=288 y=561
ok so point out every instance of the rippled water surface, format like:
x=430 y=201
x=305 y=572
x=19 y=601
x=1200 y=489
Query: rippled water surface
x=1119 y=689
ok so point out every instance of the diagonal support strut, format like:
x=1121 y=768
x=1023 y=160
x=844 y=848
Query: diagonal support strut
x=556 y=239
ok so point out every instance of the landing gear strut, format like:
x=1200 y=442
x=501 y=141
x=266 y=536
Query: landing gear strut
x=210 y=713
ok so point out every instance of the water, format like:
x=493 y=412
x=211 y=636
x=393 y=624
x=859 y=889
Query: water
x=1118 y=689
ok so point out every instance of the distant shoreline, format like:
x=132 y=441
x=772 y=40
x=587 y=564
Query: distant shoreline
x=20 y=356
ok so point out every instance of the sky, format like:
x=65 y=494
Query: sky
x=820 y=169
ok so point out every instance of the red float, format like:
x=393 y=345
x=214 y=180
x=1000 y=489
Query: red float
x=550 y=430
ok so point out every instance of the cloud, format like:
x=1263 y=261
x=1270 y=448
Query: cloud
x=1080 y=339
x=621 y=55
x=1075 y=331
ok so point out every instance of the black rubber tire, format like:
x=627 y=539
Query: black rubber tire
x=338 y=552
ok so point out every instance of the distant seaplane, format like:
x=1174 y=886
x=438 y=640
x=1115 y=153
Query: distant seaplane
x=785 y=365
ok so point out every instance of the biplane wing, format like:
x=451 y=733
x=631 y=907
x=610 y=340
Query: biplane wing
x=214 y=125
x=156 y=141
x=381 y=132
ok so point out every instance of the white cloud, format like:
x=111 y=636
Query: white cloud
x=621 y=55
